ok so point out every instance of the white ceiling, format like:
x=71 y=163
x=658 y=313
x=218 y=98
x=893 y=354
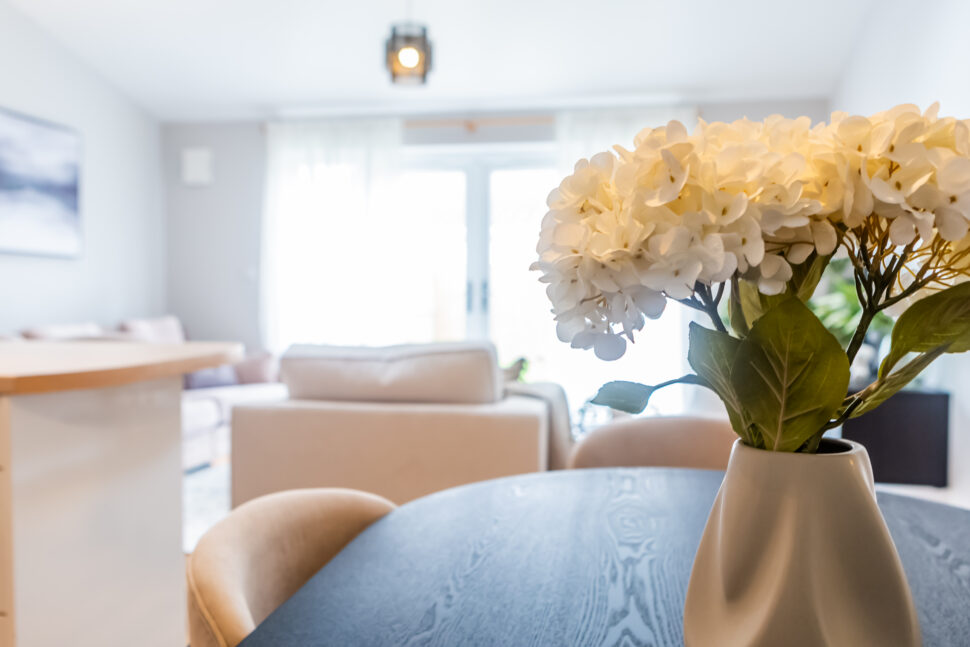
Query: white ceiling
x=188 y=60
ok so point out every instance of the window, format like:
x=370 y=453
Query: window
x=522 y=326
x=437 y=250
x=505 y=303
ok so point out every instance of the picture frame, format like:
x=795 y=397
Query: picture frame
x=40 y=187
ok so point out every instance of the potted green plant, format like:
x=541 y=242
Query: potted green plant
x=751 y=214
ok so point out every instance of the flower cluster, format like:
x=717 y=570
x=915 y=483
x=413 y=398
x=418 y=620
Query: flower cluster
x=909 y=169
x=629 y=229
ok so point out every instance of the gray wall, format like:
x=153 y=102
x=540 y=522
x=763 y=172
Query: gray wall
x=214 y=231
x=121 y=271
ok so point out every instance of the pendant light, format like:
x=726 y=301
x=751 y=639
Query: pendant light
x=408 y=52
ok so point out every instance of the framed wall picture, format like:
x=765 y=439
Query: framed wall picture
x=40 y=169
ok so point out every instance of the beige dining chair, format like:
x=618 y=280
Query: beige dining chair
x=702 y=443
x=263 y=552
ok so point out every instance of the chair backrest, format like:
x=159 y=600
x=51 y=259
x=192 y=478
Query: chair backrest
x=703 y=443
x=263 y=552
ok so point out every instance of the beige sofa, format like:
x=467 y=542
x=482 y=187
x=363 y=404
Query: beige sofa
x=400 y=422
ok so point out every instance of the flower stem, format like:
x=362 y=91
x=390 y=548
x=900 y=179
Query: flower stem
x=704 y=300
x=868 y=314
x=710 y=303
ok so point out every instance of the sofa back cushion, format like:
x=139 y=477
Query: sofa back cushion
x=158 y=330
x=208 y=378
x=66 y=332
x=456 y=373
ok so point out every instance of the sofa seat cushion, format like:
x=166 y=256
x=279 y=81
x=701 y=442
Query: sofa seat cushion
x=200 y=414
x=205 y=409
x=457 y=373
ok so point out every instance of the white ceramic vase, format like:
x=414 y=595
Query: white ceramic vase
x=796 y=554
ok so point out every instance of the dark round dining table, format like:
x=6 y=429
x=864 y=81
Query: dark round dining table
x=571 y=558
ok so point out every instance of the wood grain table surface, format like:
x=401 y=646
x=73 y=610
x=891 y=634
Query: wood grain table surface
x=571 y=558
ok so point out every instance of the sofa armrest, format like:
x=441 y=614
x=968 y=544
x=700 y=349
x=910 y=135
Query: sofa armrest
x=560 y=426
x=398 y=451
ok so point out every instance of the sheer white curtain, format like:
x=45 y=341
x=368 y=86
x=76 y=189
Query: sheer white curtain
x=583 y=133
x=328 y=231
x=660 y=350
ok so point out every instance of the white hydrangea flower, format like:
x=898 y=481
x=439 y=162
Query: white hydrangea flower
x=631 y=228
x=910 y=168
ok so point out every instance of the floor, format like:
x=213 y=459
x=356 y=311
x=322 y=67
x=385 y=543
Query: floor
x=205 y=497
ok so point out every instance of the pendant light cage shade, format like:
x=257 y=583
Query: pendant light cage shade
x=408 y=54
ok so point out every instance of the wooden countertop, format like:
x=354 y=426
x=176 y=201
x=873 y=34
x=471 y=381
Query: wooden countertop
x=41 y=367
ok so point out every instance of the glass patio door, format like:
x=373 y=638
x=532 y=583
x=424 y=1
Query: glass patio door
x=426 y=286
x=519 y=318
x=501 y=199
x=357 y=266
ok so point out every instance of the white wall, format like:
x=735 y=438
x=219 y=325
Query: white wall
x=910 y=53
x=214 y=231
x=919 y=53
x=121 y=270
x=815 y=108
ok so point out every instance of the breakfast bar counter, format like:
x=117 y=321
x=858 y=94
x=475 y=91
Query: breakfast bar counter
x=90 y=491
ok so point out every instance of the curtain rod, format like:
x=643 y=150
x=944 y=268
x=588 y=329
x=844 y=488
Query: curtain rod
x=474 y=123
x=470 y=124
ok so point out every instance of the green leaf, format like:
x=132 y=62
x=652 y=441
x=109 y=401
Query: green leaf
x=711 y=355
x=754 y=304
x=941 y=319
x=889 y=386
x=805 y=278
x=790 y=375
x=739 y=323
x=632 y=397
